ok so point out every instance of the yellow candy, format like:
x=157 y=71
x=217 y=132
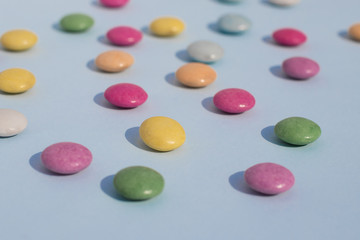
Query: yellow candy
x=162 y=133
x=167 y=26
x=18 y=40
x=16 y=80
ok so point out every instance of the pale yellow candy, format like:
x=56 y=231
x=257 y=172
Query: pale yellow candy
x=167 y=26
x=18 y=40
x=16 y=80
x=162 y=133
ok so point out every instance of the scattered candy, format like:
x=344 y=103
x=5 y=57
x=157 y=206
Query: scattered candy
x=162 y=133
x=76 y=22
x=114 y=61
x=167 y=26
x=297 y=130
x=16 y=80
x=354 y=32
x=11 y=122
x=289 y=37
x=234 y=100
x=114 y=3
x=233 y=23
x=18 y=40
x=269 y=178
x=125 y=95
x=300 y=67
x=124 y=36
x=66 y=157
x=138 y=183
x=284 y=3
x=205 y=51
x=195 y=75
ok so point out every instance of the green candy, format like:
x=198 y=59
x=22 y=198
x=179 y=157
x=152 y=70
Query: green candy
x=76 y=22
x=297 y=130
x=138 y=183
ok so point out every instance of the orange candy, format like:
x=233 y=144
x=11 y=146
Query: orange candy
x=354 y=32
x=114 y=61
x=195 y=75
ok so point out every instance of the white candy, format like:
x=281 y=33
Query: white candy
x=205 y=51
x=11 y=122
x=284 y=2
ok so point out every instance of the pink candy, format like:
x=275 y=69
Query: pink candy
x=114 y=3
x=234 y=100
x=269 y=178
x=289 y=37
x=66 y=157
x=300 y=67
x=125 y=95
x=124 y=36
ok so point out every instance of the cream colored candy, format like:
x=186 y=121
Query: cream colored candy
x=114 y=61
x=354 y=32
x=196 y=75
x=16 y=80
x=11 y=122
x=18 y=40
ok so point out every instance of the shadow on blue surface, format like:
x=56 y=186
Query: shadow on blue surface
x=103 y=39
x=170 y=78
x=237 y=181
x=183 y=56
x=278 y=72
x=208 y=104
x=344 y=35
x=269 y=135
x=213 y=27
x=107 y=186
x=146 y=30
x=100 y=100
x=133 y=137
x=91 y=65
x=269 y=40
x=35 y=163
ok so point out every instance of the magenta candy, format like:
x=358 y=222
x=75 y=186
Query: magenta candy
x=234 y=100
x=114 y=3
x=124 y=36
x=289 y=37
x=125 y=95
x=300 y=67
x=66 y=157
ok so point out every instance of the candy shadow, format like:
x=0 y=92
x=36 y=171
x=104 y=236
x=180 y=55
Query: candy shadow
x=91 y=65
x=208 y=104
x=214 y=27
x=228 y=3
x=103 y=39
x=171 y=79
x=56 y=26
x=237 y=181
x=107 y=186
x=146 y=30
x=278 y=72
x=100 y=100
x=269 y=135
x=345 y=35
x=269 y=40
x=133 y=137
x=36 y=163
x=183 y=56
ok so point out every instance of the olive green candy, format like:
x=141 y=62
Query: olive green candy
x=76 y=22
x=297 y=130
x=138 y=183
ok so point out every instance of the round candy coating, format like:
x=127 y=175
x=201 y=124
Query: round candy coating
x=114 y=3
x=167 y=26
x=11 y=122
x=234 y=100
x=162 y=133
x=289 y=37
x=16 y=80
x=269 y=178
x=124 y=36
x=233 y=23
x=76 y=22
x=66 y=157
x=300 y=67
x=297 y=130
x=195 y=75
x=114 y=61
x=284 y=3
x=205 y=51
x=125 y=95
x=138 y=183
x=354 y=32
x=18 y=40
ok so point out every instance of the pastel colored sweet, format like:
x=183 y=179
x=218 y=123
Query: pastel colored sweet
x=167 y=26
x=233 y=23
x=205 y=51
x=354 y=32
x=300 y=67
x=284 y=3
x=11 y=122
x=125 y=95
x=114 y=3
x=196 y=75
x=18 y=40
x=297 y=130
x=16 y=80
x=289 y=37
x=124 y=36
x=234 y=100
x=114 y=61
x=269 y=178
x=66 y=157
x=162 y=133
x=138 y=183
x=76 y=22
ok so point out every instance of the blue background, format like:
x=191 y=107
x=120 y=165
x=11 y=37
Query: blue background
x=205 y=196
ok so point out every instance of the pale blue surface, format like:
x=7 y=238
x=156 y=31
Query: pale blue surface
x=204 y=195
